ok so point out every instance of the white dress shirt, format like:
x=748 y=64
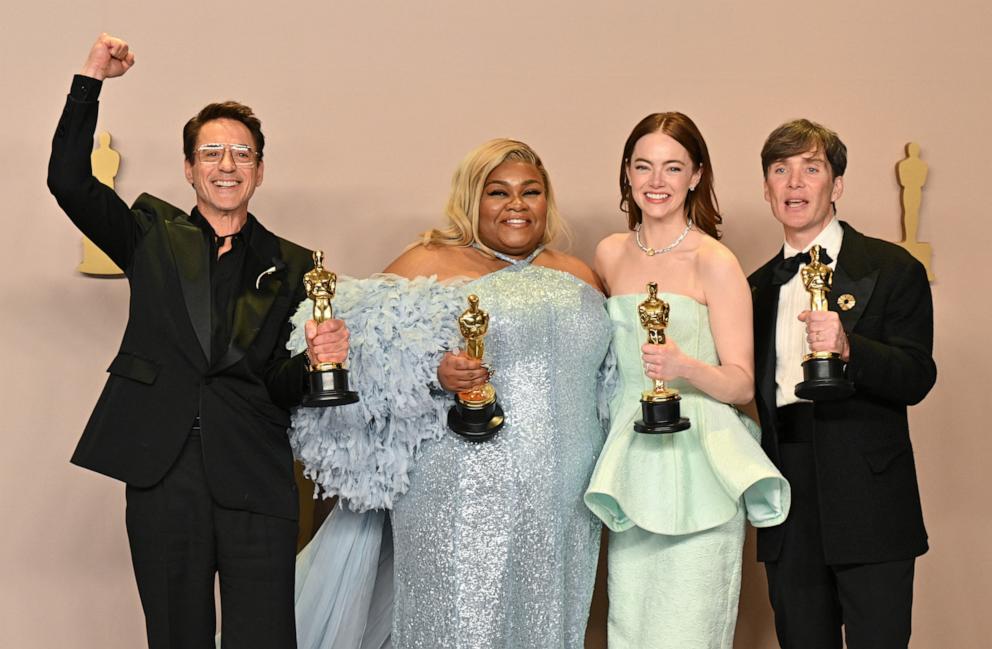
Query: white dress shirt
x=790 y=333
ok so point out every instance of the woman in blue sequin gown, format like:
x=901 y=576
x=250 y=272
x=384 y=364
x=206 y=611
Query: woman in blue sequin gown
x=493 y=546
x=676 y=503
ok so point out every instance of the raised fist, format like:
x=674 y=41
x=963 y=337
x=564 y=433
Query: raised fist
x=109 y=57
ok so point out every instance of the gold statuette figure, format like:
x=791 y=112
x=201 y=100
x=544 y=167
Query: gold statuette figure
x=476 y=415
x=328 y=381
x=817 y=277
x=659 y=405
x=474 y=323
x=320 y=285
x=823 y=372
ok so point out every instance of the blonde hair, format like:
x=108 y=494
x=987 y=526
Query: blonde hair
x=467 y=184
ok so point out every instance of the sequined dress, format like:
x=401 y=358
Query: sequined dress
x=492 y=544
x=676 y=504
x=494 y=547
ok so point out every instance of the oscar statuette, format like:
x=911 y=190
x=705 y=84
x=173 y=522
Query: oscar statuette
x=328 y=381
x=476 y=415
x=823 y=372
x=659 y=405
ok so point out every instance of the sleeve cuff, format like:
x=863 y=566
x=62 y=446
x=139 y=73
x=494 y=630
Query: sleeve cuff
x=85 y=88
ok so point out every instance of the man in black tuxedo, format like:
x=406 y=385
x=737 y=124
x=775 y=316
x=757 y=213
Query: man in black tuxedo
x=195 y=412
x=846 y=554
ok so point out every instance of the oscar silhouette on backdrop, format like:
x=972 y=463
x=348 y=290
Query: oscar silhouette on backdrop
x=912 y=173
x=106 y=162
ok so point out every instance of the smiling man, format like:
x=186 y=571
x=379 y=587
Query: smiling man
x=845 y=557
x=194 y=414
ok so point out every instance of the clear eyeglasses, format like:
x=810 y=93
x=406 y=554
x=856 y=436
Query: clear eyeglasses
x=242 y=154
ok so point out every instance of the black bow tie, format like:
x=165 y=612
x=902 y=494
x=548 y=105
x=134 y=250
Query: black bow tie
x=787 y=268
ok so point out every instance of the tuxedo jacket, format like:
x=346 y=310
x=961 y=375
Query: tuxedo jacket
x=162 y=376
x=869 y=500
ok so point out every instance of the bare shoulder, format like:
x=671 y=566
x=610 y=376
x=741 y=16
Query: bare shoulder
x=715 y=261
x=572 y=265
x=611 y=247
x=608 y=253
x=420 y=260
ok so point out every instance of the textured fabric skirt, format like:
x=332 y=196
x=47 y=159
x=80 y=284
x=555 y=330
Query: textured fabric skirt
x=675 y=592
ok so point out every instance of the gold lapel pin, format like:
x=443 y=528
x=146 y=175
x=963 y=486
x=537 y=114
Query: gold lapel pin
x=846 y=302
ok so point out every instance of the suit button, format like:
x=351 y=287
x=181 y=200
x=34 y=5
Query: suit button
x=207 y=381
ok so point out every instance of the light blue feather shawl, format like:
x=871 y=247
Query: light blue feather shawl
x=399 y=330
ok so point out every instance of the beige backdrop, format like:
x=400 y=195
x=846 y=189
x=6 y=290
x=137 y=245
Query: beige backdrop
x=368 y=107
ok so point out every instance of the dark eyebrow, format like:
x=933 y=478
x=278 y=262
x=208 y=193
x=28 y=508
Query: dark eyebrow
x=814 y=158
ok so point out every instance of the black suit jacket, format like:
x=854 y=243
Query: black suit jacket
x=868 y=495
x=162 y=376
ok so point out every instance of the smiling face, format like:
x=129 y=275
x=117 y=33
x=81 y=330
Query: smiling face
x=801 y=190
x=660 y=172
x=224 y=189
x=513 y=209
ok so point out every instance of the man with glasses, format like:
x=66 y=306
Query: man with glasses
x=194 y=414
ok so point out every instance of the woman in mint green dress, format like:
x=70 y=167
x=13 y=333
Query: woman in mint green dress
x=676 y=504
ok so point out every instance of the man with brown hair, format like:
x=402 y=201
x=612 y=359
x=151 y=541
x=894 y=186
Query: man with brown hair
x=845 y=557
x=194 y=414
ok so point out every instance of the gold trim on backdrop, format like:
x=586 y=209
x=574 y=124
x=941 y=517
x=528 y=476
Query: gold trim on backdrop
x=912 y=174
x=105 y=162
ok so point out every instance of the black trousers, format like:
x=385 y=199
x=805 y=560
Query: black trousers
x=812 y=600
x=181 y=539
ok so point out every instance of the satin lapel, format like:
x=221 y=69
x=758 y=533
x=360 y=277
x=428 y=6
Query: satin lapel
x=854 y=276
x=765 y=303
x=193 y=262
x=253 y=304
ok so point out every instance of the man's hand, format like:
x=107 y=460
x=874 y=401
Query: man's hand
x=109 y=57
x=459 y=373
x=824 y=333
x=327 y=342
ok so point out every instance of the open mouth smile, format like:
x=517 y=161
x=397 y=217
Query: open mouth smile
x=516 y=222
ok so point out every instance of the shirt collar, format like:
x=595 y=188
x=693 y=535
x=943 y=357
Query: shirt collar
x=830 y=238
x=197 y=219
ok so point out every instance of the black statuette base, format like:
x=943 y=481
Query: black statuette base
x=329 y=388
x=824 y=380
x=475 y=424
x=661 y=417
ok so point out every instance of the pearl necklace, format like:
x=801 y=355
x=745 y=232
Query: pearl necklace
x=651 y=252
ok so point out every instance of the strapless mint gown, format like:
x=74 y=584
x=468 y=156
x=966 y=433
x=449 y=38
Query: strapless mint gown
x=676 y=504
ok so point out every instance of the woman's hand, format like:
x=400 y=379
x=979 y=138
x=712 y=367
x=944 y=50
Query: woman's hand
x=459 y=373
x=664 y=362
